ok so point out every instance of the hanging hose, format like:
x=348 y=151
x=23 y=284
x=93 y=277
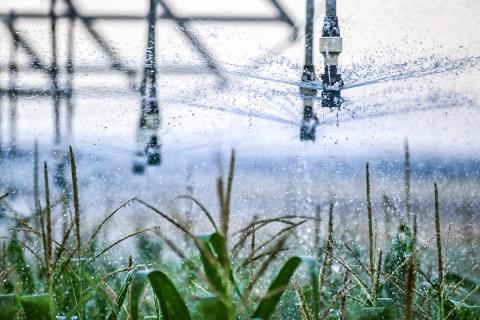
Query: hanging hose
x=331 y=47
x=149 y=123
x=310 y=121
x=152 y=149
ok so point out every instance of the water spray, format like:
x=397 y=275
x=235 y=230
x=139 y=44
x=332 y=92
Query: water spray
x=149 y=123
x=308 y=93
x=331 y=47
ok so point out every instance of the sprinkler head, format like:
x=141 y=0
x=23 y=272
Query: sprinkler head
x=152 y=151
x=331 y=47
x=331 y=99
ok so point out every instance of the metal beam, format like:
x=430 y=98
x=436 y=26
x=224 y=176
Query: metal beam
x=283 y=17
x=35 y=61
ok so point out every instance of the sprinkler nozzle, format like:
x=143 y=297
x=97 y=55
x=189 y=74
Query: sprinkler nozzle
x=331 y=47
x=331 y=99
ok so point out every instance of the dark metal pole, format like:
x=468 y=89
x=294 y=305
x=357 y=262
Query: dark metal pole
x=70 y=72
x=12 y=90
x=54 y=71
x=149 y=122
x=308 y=93
x=152 y=149
x=309 y=33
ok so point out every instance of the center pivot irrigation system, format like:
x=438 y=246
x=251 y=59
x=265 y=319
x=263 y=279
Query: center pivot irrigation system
x=332 y=83
x=148 y=142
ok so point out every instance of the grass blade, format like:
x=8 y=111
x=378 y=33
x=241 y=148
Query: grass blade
x=37 y=307
x=268 y=303
x=214 y=308
x=121 y=296
x=172 y=305
x=17 y=260
x=136 y=292
x=76 y=201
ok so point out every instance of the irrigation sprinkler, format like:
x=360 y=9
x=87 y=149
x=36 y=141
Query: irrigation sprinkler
x=308 y=93
x=149 y=123
x=331 y=47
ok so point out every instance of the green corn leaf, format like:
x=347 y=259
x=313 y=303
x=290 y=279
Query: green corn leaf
x=385 y=310
x=374 y=313
x=172 y=305
x=268 y=303
x=217 y=243
x=17 y=260
x=8 y=306
x=37 y=307
x=461 y=311
x=214 y=308
x=215 y=260
x=121 y=296
x=400 y=249
x=136 y=292
x=458 y=286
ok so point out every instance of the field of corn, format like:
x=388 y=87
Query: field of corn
x=274 y=267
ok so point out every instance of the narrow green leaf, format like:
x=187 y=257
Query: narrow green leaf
x=214 y=258
x=171 y=303
x=214 y=308
x=17 y=260
x=136 y=292
x=268 y=303
x=121 y=296
x=373 y=313
x=386 y=310
x=461 y=311
x=399 y=251
x=37 y=307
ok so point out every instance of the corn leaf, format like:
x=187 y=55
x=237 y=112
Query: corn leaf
x=136 y=292
x=214 y=308
x=8 y=306
x=268 y=303
x=172 y=305
x=37 y=307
